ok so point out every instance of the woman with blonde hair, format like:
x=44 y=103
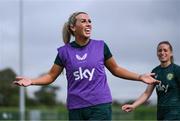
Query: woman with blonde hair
x=84 y=60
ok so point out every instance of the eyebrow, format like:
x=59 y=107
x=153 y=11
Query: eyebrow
x=83 y=19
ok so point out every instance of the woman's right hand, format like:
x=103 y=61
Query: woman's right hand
x=128 y=107
x=22 y=81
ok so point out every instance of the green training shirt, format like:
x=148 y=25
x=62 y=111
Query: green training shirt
x=168 y=92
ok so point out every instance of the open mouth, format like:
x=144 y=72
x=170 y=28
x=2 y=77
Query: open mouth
x=87 y=30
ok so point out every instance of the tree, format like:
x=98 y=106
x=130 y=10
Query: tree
x=47 y=95
x=8 y=92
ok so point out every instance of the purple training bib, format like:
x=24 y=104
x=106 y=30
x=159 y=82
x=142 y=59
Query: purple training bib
x=85 y=72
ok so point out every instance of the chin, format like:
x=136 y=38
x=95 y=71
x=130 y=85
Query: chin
x=163 y=61
x=86 y=37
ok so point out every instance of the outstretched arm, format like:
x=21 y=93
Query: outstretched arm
x=112 y=66
x=143 y=98
x=46 y=79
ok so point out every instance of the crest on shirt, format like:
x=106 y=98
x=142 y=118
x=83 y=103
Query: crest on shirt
x=170 y=76
x=78 y=57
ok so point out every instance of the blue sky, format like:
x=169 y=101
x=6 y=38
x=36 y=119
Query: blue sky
x=131 y=28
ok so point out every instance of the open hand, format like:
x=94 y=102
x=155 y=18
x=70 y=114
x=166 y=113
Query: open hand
x=22 y=81
x=148 y=78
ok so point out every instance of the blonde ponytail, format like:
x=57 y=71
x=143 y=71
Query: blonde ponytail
x=66 y=33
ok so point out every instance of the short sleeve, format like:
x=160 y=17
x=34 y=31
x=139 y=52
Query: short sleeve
x=58 y=61
x=177 y=73
x=107 y=52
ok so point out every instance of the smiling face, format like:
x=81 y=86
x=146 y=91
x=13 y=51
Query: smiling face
x=82 y=27
x=164 y=53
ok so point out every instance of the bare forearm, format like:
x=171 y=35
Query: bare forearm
x=43 y=80
x=123 y=73
x=143 y=98
x=119 y=71
x=49 y=77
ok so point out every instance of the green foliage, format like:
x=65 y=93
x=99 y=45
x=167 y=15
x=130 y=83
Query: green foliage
x=8 y=92
x=145 y=113
x=46 y=95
